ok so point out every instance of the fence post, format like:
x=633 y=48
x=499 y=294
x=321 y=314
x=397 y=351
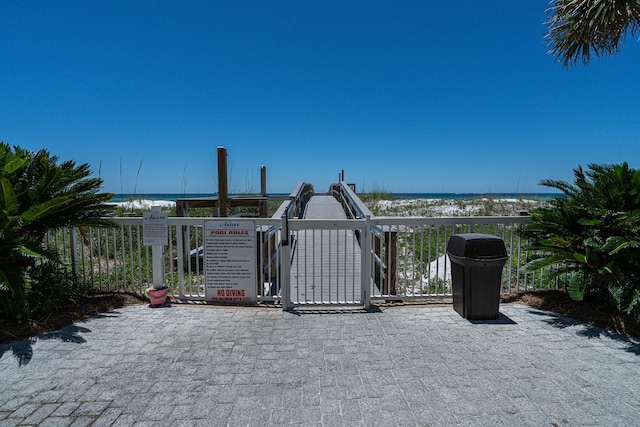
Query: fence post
x=365 y=269
x=285 y=263
x=180 y=244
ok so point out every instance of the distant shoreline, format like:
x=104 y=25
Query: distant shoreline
x=446 y=196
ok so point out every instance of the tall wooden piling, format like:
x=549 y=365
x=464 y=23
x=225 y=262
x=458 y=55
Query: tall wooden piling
x=263 y=181
x=223 y=184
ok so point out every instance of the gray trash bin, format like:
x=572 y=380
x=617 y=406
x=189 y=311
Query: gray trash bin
x=476 y=274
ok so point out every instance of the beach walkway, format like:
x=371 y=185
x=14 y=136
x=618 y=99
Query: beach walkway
x=324 y=207
x=326 y=263
x=210 y=366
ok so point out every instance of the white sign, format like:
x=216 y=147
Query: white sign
x=154 y=228
x=230 y=260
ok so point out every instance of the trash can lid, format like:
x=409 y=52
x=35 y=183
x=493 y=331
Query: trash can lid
x=476 y=245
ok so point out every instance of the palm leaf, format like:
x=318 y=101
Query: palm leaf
x=30 y=253
x=615 y=244
x=579 y=28
x=554 y=259
x=581 y=258
x=8 y=197
x=576 y=290
x=39 y=211
x=13 y=165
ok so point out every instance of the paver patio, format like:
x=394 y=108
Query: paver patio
x=187 y=365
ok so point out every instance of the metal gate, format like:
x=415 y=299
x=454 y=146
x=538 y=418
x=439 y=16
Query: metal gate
x=328 y=262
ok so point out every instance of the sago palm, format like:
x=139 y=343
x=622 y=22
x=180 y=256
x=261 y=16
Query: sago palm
x=38 y=194
x=591 y=234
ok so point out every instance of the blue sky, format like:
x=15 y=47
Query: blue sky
x=411 y=96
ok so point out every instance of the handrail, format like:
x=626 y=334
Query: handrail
x=294 y=204
x=346 y=205
x=350 y=201
x=282 y=209
x=299 y=198
x=296 y=191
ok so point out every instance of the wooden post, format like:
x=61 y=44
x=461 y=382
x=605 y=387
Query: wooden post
x=263 y=181
x=377 y=271
x=263 y=207
x=181 y=208
x=223 y=185
x=391 y=238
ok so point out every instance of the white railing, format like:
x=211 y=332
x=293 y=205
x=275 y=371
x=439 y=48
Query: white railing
x=356 y=260
x=417 y=246
x=115 y=259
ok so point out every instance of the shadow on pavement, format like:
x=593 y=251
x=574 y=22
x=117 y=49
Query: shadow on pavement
x=632 y=344
x=23 y=350
x=501 y=320
x=316 y=310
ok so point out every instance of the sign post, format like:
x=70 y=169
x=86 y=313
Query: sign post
x=155 y=234
x=230 y=260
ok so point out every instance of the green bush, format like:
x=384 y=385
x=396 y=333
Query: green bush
x=590 y=235
x=39 y=194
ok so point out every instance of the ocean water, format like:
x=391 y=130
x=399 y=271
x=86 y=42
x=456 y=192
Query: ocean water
x=449 y=196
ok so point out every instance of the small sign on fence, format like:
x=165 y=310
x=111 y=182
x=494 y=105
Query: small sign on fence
x=230 y=260
x=154 y=227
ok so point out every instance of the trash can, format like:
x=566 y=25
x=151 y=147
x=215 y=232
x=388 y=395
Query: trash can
x=476 y=274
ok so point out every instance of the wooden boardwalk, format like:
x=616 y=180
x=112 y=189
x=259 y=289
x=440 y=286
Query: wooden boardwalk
x=325 y=268
x=324 y=207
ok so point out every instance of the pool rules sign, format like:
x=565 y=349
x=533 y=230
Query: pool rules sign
x=230 y=260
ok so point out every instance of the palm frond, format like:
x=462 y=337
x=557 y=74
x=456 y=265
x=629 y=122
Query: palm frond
x=578 y=29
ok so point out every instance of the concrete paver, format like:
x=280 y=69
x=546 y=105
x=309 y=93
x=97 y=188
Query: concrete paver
x=331 y=367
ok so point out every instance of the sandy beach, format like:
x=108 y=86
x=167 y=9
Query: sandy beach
x=143 y=204
x=449 y=207
x=401 y=207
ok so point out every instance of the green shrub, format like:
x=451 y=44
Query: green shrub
x=38 y=194
x=590 y=235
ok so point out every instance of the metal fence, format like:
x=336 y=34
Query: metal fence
x=327 y=262
x=418 y=249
